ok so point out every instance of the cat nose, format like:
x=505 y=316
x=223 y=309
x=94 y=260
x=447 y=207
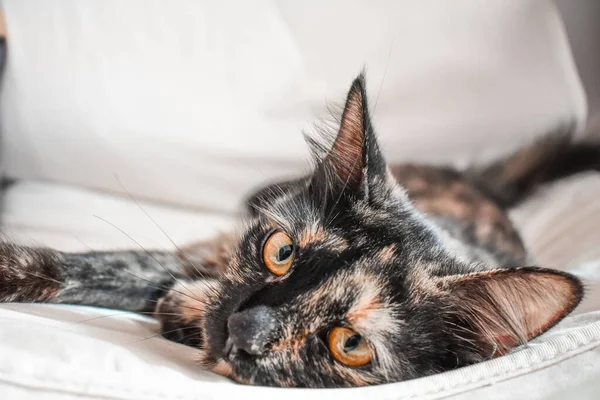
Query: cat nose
x=250 y=330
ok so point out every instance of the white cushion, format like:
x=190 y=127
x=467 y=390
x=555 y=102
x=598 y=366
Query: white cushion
x=197 y=102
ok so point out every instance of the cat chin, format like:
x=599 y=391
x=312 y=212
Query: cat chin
x=223 y=368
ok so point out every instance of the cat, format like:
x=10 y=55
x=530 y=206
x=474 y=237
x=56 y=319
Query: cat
x=359 y=273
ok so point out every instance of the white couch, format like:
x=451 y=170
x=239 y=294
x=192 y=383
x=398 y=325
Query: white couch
x=187 y=105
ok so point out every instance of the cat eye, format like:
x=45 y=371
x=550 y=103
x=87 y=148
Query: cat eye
x=349 y=348
x=278 y=253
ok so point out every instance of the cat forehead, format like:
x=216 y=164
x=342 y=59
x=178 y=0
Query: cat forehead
x=299 y=202
x=291 y=209
x=311 y=220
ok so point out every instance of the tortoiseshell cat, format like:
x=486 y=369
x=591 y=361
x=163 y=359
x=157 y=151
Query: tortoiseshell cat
x=357 y=274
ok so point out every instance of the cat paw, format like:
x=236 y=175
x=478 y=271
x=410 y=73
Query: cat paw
x=29 y=274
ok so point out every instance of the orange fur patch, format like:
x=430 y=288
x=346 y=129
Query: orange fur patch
x=223 y=368
x=364 y=307
x=422 y=283
x=192 y=297
x=387 y=253
x=312 y=234
x=293 y=343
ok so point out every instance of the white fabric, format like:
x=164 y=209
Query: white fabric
x=67 y=352
x=192 y=103
x=197 y=102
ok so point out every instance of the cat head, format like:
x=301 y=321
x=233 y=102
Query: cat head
x=338 y=281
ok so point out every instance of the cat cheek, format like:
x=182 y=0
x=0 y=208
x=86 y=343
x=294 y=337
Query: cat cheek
x=189 y=299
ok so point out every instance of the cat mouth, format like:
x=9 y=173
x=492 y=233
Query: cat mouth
x=223 y=358
x=229 y=347
x=218 y=345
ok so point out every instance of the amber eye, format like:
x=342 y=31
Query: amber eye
x=349 y=348
x=278 y=253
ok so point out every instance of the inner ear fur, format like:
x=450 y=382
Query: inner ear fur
x=354 y=159
x=346 y=157
x=508 y=307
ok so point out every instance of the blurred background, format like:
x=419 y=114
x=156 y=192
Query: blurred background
x=581 y=18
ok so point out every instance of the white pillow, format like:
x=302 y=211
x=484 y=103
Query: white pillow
x=197 y=102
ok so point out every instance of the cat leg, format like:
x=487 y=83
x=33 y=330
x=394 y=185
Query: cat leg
x=125 y=280
x=172 y=286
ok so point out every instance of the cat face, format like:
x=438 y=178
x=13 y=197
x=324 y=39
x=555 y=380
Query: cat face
x=338 y=281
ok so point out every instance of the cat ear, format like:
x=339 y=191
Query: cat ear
x=507 y=308
x=354 y=158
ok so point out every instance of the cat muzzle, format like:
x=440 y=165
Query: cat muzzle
x=250 y=331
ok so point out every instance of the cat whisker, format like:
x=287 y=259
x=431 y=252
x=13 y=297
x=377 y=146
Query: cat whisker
x=180 y=306
x=151 y=313
x=188 y=336
x=190 y=308
x=154 y=284
x=161 y=334
x=387 y=64
x=158 y=226
x=83 y=243
x=162 y=287
x=149 y=254
x=41 y=276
